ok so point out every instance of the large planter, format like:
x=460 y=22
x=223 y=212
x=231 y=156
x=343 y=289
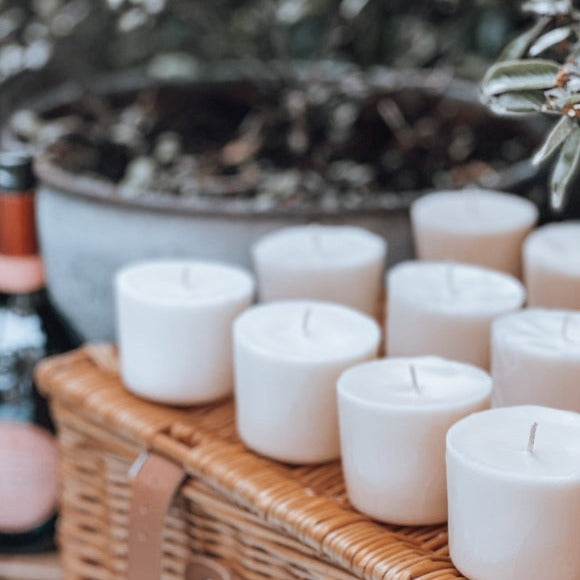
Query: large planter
x=87 y=230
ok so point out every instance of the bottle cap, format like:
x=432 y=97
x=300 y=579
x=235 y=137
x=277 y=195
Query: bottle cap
x=16 y=172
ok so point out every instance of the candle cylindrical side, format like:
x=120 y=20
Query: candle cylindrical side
x=288 y=356
x=342 y=264
x=536 y=359
x=552 y=266
x=446 y=309
x=514 y=494
x=174 y=328
x=473 y=226
x=394 y=415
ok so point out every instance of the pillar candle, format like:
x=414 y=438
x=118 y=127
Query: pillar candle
x=174 y=328
x=552 y=266
x=513 y=480
x=342 y=264
x=536 y=358
x=288 y=357
x=446 y=309
x=473 y=226
x=393 y=416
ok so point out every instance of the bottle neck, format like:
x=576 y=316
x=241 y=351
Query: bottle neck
x=17 y=224
x=21 y=269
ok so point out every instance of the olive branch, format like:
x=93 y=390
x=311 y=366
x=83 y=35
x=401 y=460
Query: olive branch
x=539 y=72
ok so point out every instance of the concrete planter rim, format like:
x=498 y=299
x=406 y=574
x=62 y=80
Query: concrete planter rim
x=434 y=82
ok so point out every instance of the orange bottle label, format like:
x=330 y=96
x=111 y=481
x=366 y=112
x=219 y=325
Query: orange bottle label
x=17 y=224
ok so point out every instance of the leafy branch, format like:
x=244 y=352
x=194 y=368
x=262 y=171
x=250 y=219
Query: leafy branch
x=538 y=72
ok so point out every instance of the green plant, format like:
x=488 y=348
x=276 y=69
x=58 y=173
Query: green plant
x=539 y=72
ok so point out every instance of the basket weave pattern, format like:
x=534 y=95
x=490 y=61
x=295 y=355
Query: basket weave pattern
x=260 y=518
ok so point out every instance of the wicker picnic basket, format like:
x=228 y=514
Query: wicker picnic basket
x=234 y=515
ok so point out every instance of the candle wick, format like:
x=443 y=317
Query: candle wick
x=306 y=322
x=566 y=328
x=317 y=241
x=472 y=202
x=450 y=277
x=186 y=277
x=414 y=380
x=532 y=437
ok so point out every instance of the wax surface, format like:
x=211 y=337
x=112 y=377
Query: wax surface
x=342 y=264
x=318 y=246
x=536 y=358
x=552 y=266
x=286 y=373
x=184 y=283
x=393 y=433
x=439 y=382
x=473 y=226
x=306 y=330
x=498 y=441
x=455 y=288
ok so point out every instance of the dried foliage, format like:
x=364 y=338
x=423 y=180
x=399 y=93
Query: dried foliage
x=537 y=72
x=76 y=38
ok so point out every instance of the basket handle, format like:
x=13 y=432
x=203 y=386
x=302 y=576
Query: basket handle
x=154 y=482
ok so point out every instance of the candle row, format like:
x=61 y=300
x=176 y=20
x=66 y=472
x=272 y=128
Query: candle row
x=496 y=230
x=308 y=388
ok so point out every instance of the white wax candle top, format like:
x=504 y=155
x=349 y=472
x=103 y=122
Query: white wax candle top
x=307 y=330
x=184 y=282
x=475 y=210
x=546 y=332
x=556 y=246
x=440 y=382
x=446 y=286
x=498 y=440
x=320 y=246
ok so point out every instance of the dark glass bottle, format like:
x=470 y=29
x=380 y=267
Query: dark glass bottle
x=30 y=329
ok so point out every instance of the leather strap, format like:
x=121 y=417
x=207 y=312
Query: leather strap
x=154 y=483
x=202 y=568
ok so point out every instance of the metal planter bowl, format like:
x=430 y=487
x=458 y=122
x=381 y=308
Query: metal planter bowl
x=87 y=231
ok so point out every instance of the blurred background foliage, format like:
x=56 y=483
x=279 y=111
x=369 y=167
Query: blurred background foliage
x=43 y=42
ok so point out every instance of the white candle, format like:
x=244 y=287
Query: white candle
x=174 y=328
x=446 y=309
x=394 y=415
x=288 y=356
x=342 y=264
x=552 y=266
x=514 y=499
x=473 y=226
x=536 y=359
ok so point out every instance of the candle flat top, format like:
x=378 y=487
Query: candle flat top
x=319 y=247
x=475 y=211
x=547 y=333
x=555 y=247
x=184 y=282
x=307 y=331
x=497 y=440
x=455 y=288
x=437 y=382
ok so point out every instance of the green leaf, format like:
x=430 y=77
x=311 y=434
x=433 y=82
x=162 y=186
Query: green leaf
x=514 y=104
x=565 y=169
x=519 y=75
x=518 y=47
x=550 y=39
x=556 y=137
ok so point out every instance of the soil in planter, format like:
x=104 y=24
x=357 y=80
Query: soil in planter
x=282 y=146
